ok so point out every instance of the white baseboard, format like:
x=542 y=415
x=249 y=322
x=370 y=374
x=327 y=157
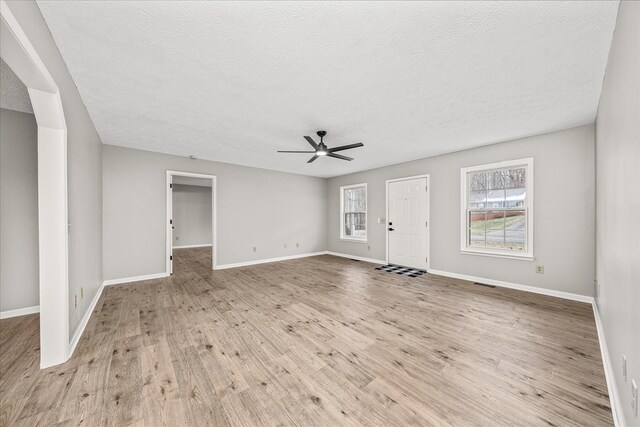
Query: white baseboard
x=206 y=245
x=535 y=290
x=616 y=404
x=85 y=320
x=359 y=258
x=134 y=279
x=19 y=312
x=267 y=260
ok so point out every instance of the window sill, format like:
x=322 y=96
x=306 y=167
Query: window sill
x=523 y=257
x=347 y=239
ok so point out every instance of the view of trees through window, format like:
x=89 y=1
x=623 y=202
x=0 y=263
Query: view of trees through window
x=497 y=209
x=354 y=213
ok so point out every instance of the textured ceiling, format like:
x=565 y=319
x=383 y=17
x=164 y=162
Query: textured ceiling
x=236 y=81
x=13 y=93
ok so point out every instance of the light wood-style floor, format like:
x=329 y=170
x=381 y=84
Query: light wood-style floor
x=319 y=341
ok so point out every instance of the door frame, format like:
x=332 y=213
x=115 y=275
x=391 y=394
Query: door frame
x=53 y=223
x=428 y=214
x=169 y=215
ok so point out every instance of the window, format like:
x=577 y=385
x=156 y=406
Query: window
x=497 y=209
x=353 y=212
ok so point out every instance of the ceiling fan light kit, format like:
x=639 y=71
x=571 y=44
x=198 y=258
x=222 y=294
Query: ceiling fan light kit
x=322 y=150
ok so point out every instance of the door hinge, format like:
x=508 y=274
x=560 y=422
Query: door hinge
x=426 y=259
x=170 y=185
x=426 y=188
x=170 y=257
x=426 y=223
x=170 y=221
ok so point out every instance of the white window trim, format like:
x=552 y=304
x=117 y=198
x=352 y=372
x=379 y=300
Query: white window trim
x=526 y=255
x=366 y=214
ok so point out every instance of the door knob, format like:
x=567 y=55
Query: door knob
x=390 y=229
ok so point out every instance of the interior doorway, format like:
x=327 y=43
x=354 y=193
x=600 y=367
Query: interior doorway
x=408 y=222
x=53 y=260
x=191 y=216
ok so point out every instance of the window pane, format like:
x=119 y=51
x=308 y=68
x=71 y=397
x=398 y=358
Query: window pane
x=496 y=199
x=515 y=240
x=355 y=199
x=514 y=178
x=515 y=220
x=477 y=181
x=495 y=239
x=355 y=225
x=495 y=220
x=477 y=229
x=478 y=199
x=477 y=189
x=495 y=180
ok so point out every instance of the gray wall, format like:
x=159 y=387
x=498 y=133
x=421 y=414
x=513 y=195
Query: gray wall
x=618 y=202
x=84 y=165
x=255 y=207
x=564 y=211
x=18 y=210
x=191 y=215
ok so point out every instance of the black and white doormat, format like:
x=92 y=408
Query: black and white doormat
x=411 y=272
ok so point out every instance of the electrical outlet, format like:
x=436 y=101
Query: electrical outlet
x=624 y=367
x=81 y=292
x=75 y=300
x=254 y=249
x=297 y=245
x=177 y=237
x=634 y=397
x=368 y=247
x=285 y=246
x=540 y=269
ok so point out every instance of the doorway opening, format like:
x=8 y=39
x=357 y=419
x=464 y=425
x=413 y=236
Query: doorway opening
x=53 y=254
x=408 y=222
x=191 y=221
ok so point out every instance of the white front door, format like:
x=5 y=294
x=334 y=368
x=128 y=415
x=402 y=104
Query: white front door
x=407 y=223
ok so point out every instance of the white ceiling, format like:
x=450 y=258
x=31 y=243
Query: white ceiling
x=13 y=93
x=236 y=81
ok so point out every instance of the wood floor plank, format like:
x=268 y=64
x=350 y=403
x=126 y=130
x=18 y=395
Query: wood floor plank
x=311 y=342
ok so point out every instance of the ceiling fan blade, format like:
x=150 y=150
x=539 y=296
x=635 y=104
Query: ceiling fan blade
x=309 y=152
x=311 y=141
x=338 y=156
x=313 y=158
x=346 y=147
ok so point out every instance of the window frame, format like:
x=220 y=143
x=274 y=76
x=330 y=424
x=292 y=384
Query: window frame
x=366 y=214
x=528 y=207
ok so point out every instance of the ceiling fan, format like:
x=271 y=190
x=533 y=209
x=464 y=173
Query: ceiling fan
x=322 y=150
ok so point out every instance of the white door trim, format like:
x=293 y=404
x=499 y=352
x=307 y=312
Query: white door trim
x=428 y=214
x=22 y=58
x=169 y=215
